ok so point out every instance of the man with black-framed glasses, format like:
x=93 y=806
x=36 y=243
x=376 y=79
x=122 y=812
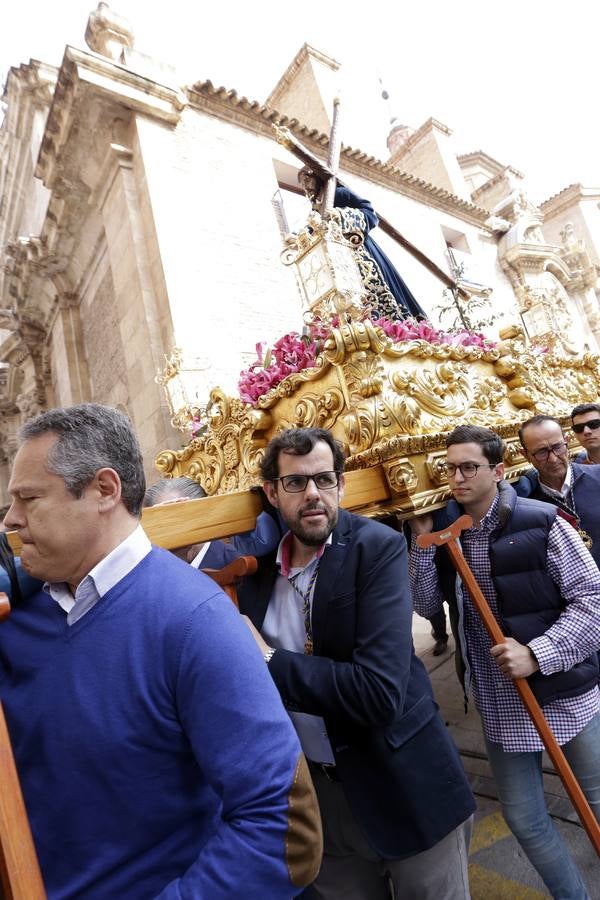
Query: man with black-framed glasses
x=585 y=419
x=331 y=613
x=544 y=590
x=574 y=488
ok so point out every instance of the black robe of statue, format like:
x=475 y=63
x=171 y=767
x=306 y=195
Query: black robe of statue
x=389 y=296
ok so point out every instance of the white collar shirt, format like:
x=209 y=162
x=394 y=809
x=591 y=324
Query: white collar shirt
x=283 y=628
x=104 y=576
x=566 y=487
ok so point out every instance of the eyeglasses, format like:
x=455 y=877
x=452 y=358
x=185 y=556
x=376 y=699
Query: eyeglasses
x=544 y=453
x=295 y=484
x=593 y=424
x=466 y=469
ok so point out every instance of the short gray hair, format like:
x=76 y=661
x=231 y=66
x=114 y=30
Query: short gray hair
x=181 y=488
x=92 y=437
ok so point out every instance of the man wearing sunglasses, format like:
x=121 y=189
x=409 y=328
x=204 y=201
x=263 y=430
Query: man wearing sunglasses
x=331 y=612
x=544 y=590
x=585 y=420
x=574 y=488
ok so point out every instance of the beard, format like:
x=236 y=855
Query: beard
x=313 y=535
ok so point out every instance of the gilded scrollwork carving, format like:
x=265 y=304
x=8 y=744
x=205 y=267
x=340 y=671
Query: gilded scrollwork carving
x=488 y=394
x=441 y=391
x=435 y=466
x=226 y=458
x=319 y=410
x=429 y=500
x=378 y=418
x=391 y=405
x=401 y=476
x=450 y=389
x=355 y=336
x=513 y=455
x=547 y=382
x=292 y=384
x=365 y=375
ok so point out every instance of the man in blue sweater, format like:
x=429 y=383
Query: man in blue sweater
x=155 y=756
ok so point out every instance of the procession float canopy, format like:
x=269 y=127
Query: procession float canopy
x=389 y=391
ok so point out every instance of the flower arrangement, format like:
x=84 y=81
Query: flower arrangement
x=292 y=353
x=413 y=330
x=295 y=352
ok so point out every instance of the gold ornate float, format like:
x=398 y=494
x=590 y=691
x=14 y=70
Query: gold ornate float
x=390 y=403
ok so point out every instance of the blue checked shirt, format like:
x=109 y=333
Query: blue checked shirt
x=573 y=637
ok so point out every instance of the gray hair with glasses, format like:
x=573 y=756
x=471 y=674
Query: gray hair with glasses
x=535 y=420
x=172 y=489
x=92 y=437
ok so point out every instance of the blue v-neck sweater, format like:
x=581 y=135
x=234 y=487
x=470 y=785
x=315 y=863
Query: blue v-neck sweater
x=154 y=752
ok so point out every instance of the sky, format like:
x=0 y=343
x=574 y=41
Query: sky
x=515 y=79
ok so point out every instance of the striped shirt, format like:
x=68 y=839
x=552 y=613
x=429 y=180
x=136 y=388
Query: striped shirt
x=573 y=637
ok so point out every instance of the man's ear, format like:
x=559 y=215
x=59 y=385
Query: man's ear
x=270 y=490
x=108 y=484
x=341 y=486
x=499 y=471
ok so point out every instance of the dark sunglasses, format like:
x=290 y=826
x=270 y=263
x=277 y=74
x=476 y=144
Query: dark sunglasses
x=593 y=424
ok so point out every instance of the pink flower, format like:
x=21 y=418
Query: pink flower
x=197 y=426
x=260 y=351
x=295 y=352
x=411 y=330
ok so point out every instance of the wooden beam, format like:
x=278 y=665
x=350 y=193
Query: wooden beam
x=194 y=521
x=19 y=869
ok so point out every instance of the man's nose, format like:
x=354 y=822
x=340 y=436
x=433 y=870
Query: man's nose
x=311 y=490
x=12 y=519
x=458 y=475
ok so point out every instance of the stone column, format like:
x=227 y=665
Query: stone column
x=72 y=375
x=116 y=196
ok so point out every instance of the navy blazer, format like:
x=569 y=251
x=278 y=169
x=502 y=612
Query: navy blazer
x=399 y=767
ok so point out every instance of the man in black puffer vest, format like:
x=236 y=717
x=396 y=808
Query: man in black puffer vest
x=574 y=488
x=544 y=589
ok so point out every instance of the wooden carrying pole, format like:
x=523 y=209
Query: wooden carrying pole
x=19 y=869
x=448 y=538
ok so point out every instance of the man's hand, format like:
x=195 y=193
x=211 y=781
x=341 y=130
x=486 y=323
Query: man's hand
x=193 y=550
x=4 y=606
x=421 y=524
x=262 y=645
x=514 y=659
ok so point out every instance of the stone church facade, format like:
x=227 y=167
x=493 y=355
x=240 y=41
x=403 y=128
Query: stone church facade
x=138 y=215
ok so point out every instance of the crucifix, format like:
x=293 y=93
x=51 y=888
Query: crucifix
x=328 y=173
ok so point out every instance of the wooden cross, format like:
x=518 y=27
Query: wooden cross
x=329 y=175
